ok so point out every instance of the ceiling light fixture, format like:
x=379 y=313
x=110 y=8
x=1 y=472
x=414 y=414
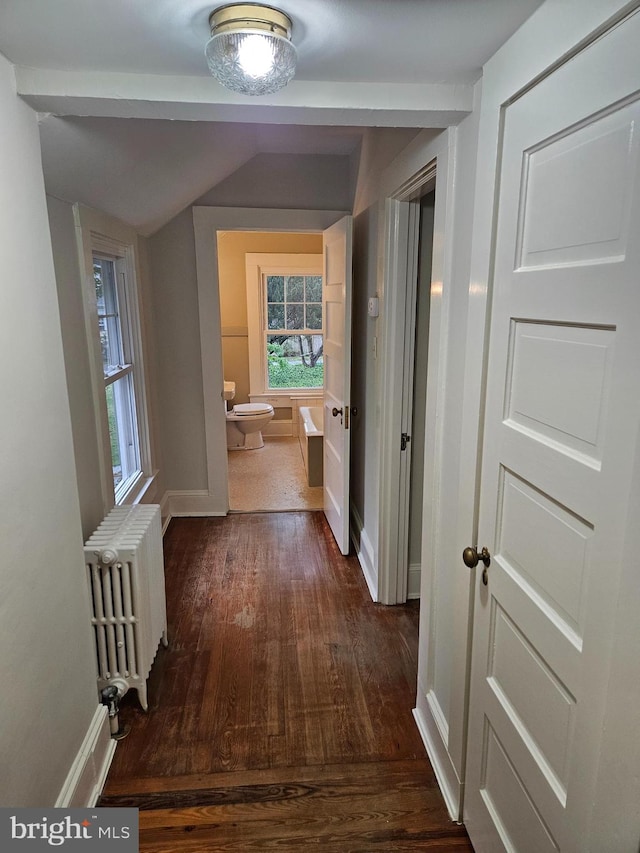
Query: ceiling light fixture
x=250 y=49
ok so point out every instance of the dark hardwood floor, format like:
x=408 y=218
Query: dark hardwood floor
x=281 y=712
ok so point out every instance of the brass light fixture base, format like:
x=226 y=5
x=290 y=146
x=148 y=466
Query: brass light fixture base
x=252 y=16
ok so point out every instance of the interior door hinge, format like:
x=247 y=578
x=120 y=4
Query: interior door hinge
x=404 y=440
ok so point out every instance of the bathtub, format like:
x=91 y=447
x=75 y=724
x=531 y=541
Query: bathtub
x=310 y=435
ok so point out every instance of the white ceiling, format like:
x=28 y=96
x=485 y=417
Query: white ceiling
x=138 y=128
x=402 y=41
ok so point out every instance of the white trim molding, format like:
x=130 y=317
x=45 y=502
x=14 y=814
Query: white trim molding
x=207 y=221
x=450 y=785
x=97 y=232
x=88 y=773
x=410 y=175
x=413 y=586
x=257 y=265
x=187 y=98
x=365 y=552
x=196 y=502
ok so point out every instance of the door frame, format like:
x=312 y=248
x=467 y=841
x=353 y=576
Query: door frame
x=207 y=221
x=414 y=173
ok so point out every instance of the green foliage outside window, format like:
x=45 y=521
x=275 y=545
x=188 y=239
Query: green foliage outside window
x=294 y=320
x=286 y=371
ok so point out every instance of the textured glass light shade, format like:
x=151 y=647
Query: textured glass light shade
x=252 y=62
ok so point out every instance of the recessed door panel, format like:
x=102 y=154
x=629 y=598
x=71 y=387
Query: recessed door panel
x=334 y=324
x=519 y=824
x=548 y=546
x=558 y=384
x=567 y=219
x=533 y=697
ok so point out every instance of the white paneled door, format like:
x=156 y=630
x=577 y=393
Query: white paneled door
x=562 y=422
x=337 y=377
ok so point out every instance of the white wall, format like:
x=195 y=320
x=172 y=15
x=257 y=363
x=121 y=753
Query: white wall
x=47 y=667
x=179 y=365
x=289 y=181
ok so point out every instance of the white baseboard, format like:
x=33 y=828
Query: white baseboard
x=165 y=514
x=365 y=552
x=448 y=780
x=413 y=587
x=197 y=502
x=85 y=780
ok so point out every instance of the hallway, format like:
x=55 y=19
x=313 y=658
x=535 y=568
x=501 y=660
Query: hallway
x=280 y=715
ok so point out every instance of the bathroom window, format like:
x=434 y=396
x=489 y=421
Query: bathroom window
x=293 y=331
x=285 y=320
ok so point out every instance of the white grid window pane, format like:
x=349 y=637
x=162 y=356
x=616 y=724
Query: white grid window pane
x=118 y=372
x=293 y=334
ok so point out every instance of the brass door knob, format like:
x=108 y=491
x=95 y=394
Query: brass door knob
x=335 y=412
x=471 y=558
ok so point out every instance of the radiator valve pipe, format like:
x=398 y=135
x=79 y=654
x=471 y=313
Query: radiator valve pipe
x=110 y=697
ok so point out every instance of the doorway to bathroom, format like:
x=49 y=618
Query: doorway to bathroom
x=270 y=286
x=272 y=479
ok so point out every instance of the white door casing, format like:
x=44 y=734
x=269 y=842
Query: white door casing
x=214 y=499
x=410 y=175
x=336 y=298
x=562 y=418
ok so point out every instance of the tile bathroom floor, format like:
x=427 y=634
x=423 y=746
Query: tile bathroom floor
x=271 y=478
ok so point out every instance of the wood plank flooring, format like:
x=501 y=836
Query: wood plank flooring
x=281 y=713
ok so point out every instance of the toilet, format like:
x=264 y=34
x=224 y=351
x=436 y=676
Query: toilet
x=245 y=421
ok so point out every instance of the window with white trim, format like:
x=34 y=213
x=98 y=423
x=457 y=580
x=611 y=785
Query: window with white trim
x=293 y=334
x=285 y=320
x=118 y=376
x=113 y=324
x=116 y=346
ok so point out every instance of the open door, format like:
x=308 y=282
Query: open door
x=336 y=298
x=561 y=433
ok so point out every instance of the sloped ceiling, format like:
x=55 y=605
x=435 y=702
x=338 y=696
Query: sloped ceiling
x=145 y=171
x=134 y=125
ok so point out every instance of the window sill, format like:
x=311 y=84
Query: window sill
x=284 y=398
x=142 y=490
